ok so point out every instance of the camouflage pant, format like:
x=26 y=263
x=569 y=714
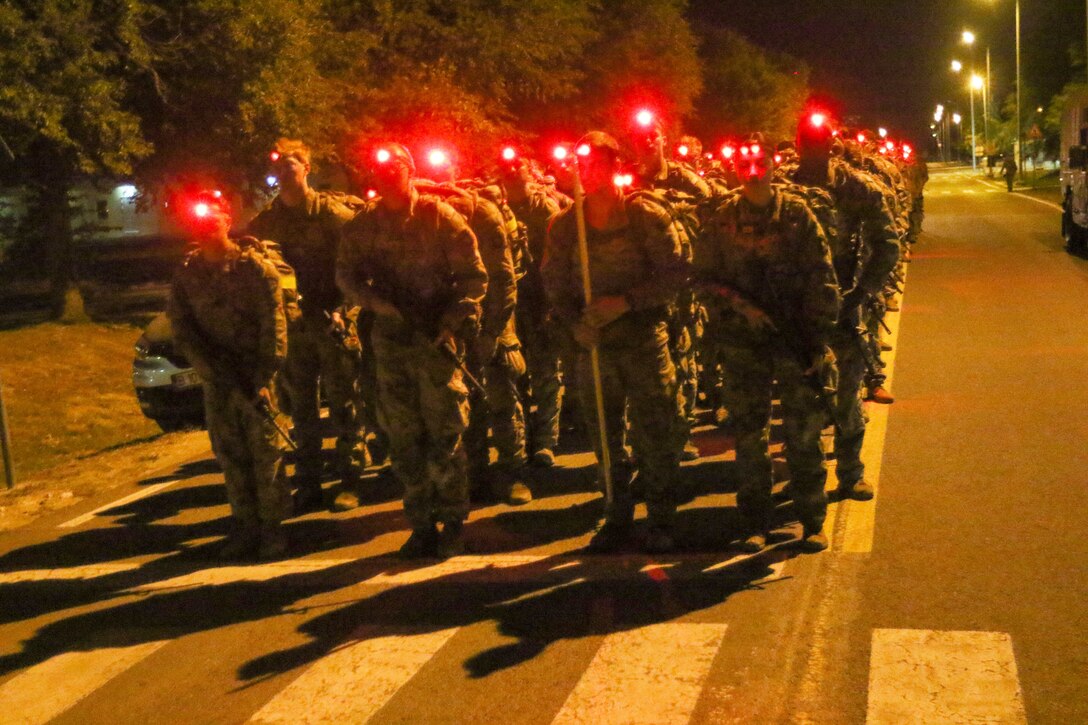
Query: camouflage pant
x=423 y=408
x=313 y=356
x=250 y=452
x=502 y=412
x=746 y=390
x=685 y=336
x=545 y=383
x=872 y=315
x=638 y=376
x=850 y=418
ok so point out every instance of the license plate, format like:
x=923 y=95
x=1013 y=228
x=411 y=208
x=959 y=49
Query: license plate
x=188 y=379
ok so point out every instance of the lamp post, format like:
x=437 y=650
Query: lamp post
x=969 y=39
x=976 y=84
x=956 y=120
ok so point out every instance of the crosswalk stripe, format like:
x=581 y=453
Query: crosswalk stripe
x=925 y=676
x=652 y=674
x=355 y=682
x=48 y=689
x=142 y=493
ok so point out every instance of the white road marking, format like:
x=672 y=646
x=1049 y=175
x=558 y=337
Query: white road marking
x=649 y=675
x=222 y=575
x=48 y=689
x=142 y=493
x=924 y=676
x=356 y=681
x=1044 y=202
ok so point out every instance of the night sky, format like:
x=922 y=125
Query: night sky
x=888 y=60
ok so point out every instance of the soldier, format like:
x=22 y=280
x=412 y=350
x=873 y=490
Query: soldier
x=764 y=267
x=306 y=224
x=533 y=207
x=865 y=248
x=494 y=355
x=226 y=310
x=636 y=264
x=681 y=186
x=411 y=260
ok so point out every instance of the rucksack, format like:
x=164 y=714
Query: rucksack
x=271 y=252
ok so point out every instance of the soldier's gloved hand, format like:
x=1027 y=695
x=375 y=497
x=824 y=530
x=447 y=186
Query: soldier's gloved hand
x=264 y=398
x=605 y=310
x=585 y=335
x=337 y=326
x=446 y=340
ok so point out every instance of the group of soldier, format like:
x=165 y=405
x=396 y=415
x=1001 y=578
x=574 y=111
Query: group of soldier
x=639 y=281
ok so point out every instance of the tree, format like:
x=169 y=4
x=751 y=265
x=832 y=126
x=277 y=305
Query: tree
x=66 y=74
x=748 y=89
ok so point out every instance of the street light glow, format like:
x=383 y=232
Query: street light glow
x=956 y=66
x=956 y=118
x=884 y=132
x=977 y=82
x=968 y=37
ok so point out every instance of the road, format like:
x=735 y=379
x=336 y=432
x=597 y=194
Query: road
x=956 y=596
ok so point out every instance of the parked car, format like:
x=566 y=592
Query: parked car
x=168 y=389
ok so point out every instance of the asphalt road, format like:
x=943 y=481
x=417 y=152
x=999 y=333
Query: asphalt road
x=957 y=596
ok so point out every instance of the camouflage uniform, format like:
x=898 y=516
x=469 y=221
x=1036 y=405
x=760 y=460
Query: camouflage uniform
x=865 y=248
x=228 y=320
x=501 y=364
x=308 y=235
x=775 y=259
x=535 y=328
x=424 y=261
x=644 y=262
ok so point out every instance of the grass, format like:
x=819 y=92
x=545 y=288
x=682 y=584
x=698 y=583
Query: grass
x=68 y=392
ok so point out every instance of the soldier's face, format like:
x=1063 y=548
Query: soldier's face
x=393 y=178
x=212 y=228
x=291 y=171
x=597 y=170
x=755 y=168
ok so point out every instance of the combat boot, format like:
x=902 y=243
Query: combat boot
x=242 y=542
x=451 y=542
x=813 y=540
x=273 y=542
x=509 y=487
x=544 y=458
x=308 y=497
x=753 y=543
x=880 y=396
x=858 y=491
x=422 y=543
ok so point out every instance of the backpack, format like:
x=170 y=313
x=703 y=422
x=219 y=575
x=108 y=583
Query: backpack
x=270 y=252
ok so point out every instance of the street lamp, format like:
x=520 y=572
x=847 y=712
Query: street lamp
x=969 y=39
x=975 y=85
x=956 y=66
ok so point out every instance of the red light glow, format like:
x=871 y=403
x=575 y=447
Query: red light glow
x=861 y=138
x=509 y=154
x=438 y=157
x=623 y=180
x=583 y=150
x=682 y=150
x=371 y=194
x=383 y=156
x=275 y=155
x=560 y=153
x=201 y=210
x=728 y=151
x=644 y=117
x=818 y=119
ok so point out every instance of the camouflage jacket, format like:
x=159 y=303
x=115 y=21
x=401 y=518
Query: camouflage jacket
x=775 y=259
x=228 y=318
x=486 y=221
x=308 y=235
x=642 y=260
x=533 y=215
x=423 y=260
x=865 y=247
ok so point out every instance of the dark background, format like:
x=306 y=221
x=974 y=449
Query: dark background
x=887 y=61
